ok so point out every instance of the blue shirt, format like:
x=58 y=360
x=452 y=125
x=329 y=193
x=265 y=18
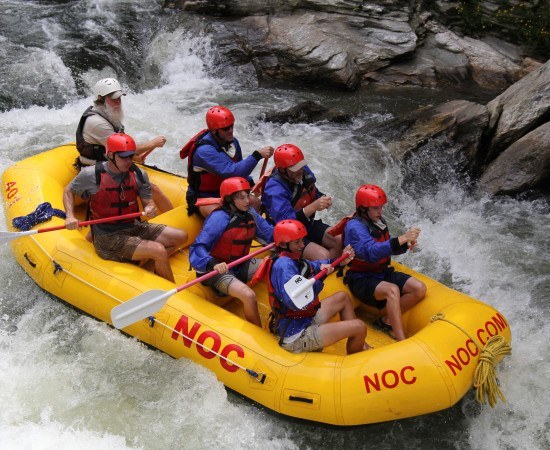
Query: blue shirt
x=283 y=269
x=212 y=230
x=277 y=199
x=357 y=234
x=211 y=157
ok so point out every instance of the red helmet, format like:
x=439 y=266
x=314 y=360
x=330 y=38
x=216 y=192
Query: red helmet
x=288 y=156
x=370 y=195
x=231 y=185
x=288 y=230
x=219 y=117
x=121 y=143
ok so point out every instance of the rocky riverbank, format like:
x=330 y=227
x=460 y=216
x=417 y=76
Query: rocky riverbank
x=346 y=44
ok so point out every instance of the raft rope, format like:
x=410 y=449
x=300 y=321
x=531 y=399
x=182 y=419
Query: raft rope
x=258 y=376
x=42 y=213
x=485 y=380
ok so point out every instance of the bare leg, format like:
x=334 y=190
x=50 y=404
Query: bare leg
x=172 y=238
x=246 y=295
x=161 y=200
x=333 y=244
x=349 y=326
x=390 y=292
x=157 y=252
x=314 y=252
x=413 y=291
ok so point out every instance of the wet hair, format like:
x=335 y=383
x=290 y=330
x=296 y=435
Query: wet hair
x=229 y=200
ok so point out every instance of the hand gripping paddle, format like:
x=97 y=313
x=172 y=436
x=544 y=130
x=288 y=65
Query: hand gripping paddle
x=300 y=289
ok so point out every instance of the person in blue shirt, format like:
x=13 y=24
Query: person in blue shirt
x=226 y=236
x=216 y=156
x=291 y=193
x=370 y=277
x=308 y=329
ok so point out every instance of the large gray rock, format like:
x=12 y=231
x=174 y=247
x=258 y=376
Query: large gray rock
x=520 y=109
x=460 y=122
x=523 y=166
x=317 y=47
x=346 y=43
x=306 y=112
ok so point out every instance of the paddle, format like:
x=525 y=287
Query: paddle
x=300 y=289
x=150 y=302
x=264 y=165
x=8 y=235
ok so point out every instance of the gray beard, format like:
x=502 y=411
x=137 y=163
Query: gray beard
x=115 y=117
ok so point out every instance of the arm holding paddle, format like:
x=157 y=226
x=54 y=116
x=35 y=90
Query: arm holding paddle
x=302 y=291
x=143 y=149
x=71 y=222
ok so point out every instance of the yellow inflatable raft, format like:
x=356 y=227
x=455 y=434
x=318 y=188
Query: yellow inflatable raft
x=430 y=371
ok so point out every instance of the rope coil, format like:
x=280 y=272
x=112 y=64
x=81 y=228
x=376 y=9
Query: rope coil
x=485 y=380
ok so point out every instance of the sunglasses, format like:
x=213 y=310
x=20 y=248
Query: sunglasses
x=125 y=157
x=230 y=127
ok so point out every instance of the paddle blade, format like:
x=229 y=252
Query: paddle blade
x=6 y=236
x=140 y=307
x=300 y=290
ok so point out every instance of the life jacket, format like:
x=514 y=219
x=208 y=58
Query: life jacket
x=338 y=229
x=279 y=310
x=92 y=151
x=379 y=235
x=237 y=238
x=202 y=181
x=304 y=193
x=112 y=198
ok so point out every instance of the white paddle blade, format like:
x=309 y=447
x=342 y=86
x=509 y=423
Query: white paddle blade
x=300 y=290
x=139 y=307
x=6 y=236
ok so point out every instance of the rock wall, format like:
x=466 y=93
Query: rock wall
x=348 y=43
x=506 y=142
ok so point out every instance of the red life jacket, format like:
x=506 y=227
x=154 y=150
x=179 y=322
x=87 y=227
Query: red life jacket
x=278 y=309
x=237 y=238
x=200 y=181
x=305 y=195
x=113 y=199
x=379 y=235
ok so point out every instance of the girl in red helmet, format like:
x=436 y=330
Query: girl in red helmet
x=370 y=277
x=112 y=188
x=309 y=328
x=291 y=193
x=226 y=236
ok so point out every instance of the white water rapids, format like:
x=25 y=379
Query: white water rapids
x=68 y=381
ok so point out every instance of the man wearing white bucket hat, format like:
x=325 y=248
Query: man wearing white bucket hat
x=102 y=120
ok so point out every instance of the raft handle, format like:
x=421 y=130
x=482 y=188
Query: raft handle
x=33 y=265
x=295 y=398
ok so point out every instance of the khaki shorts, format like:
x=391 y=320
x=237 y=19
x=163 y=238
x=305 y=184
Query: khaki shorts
x=309 y=341
x=121 y=245
x=244 y=272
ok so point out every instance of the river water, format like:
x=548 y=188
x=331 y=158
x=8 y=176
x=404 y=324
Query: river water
x=68 y=381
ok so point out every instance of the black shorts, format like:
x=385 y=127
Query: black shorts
x=316 y=232
x=363 y=288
